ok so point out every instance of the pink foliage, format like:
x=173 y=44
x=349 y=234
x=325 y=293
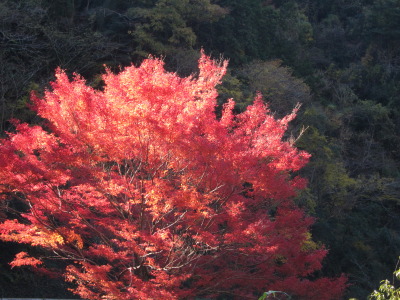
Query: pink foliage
x=149 y=195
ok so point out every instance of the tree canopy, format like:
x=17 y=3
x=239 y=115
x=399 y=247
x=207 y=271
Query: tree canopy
x=148 y=195
x=340 y=59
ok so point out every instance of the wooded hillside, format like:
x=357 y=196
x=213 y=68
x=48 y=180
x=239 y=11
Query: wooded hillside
x=339 y=59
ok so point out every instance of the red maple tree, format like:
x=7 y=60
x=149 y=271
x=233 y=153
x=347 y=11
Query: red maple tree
x=149 y=195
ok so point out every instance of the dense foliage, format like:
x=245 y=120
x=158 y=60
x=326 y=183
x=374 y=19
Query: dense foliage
x=148 y=195
x=340 y=59
x=387 y=290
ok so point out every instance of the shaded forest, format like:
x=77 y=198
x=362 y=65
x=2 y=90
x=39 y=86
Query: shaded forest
x=340 y=60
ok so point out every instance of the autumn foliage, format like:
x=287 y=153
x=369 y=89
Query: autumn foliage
x=147 y=194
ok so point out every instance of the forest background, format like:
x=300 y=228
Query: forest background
x=340 y=59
